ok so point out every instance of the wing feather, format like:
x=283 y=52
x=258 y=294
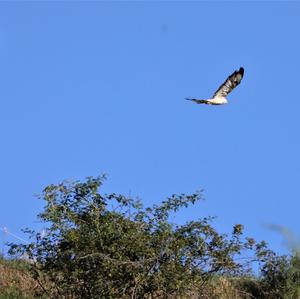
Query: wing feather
x=231 y=82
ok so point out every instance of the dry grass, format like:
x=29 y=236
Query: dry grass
x=15 y=279
x=220 y=288
x=15 y=282
x=224 y=288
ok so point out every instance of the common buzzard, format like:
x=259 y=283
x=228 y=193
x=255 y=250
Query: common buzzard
x=219 y=97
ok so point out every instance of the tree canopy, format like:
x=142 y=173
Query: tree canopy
x=109 y=246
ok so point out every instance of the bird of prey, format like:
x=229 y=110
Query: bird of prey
x=219 y=97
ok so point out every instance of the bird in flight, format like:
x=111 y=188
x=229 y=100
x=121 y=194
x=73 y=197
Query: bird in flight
x=219 y=97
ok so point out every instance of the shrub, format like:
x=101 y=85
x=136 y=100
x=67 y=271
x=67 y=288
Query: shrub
x=92 y=250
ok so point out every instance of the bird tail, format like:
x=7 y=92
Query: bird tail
x=198 y=101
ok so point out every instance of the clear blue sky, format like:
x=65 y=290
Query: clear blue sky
x=94 y=87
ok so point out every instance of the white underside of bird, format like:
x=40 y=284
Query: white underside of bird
x=213 y=101
x=219 y=97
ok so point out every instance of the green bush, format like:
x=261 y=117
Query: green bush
x=109 y=246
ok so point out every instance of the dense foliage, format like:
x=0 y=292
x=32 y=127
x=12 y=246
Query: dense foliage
x=108 y=246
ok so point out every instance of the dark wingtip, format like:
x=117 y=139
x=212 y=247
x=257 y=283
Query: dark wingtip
x=241 y=70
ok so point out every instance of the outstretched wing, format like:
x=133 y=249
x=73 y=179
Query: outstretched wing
x=231 y=82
